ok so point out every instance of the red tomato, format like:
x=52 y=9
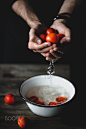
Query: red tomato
x=9 y=99
x=60 y=36
x=53 y=103
x=61 y=99
x=33 y=98
x=40 y=102
x=23 y=121
x=52 y=37
x=43 y=37
x=50 y=30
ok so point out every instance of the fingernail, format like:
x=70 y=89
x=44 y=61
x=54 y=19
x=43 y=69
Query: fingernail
x=68 y=38
x=55 y=49
x=47 y=58
x=39 y=41
x=54 y=45
x=51 y=51
x=63 y=41
x=49 y=44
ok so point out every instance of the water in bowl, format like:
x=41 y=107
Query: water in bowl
x=47 y=94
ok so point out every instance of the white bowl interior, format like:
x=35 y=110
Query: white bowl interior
x=44 y=80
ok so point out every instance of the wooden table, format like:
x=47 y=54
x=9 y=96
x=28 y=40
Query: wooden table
x=11 y=77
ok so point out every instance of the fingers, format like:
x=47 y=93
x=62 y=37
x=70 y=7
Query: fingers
x=35 y=43
x=33 y=37
x=44 y=50
x=62 y=48
x=44 y=47
x=67 y=38
x=46 y=54
x=48 y=50
x=52 y=55
x=68 y=33
x=56 y=52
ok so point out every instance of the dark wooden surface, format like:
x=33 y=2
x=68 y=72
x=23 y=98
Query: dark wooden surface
x=11 y=77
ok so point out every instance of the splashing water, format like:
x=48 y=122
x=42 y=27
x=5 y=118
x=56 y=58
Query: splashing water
x=51 y=71
x=48 y=94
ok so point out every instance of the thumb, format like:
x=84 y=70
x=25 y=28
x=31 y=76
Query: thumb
x=33 y=37
x=38 y=40
x=67 y=38
x=68 y=35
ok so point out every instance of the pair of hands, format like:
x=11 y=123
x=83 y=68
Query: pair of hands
x=48 y=50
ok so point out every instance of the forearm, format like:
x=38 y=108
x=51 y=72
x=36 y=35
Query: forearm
x=70 y=6
x=24 y=10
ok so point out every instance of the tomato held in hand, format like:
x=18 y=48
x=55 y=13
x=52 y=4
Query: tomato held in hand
x=53 y=103
x=52 y=37
x=61 y=99
x=23 y=121
x=50 y=30
x=9 y=99
x=60 y=36
x=43 y=37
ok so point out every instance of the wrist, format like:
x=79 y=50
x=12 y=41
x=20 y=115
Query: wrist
x=33 y=23
x=57 y=21
x=62 y=17
x=39 y=27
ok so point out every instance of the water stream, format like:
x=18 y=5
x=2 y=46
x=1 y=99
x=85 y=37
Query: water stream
x=51 y=71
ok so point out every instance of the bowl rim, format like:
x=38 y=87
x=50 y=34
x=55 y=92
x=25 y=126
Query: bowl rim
x=46 y=106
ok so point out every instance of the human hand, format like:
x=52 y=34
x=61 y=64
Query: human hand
x=35 y=43
x=57 y=52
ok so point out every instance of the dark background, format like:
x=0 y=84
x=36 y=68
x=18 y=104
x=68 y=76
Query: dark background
x=3 y=16
x=4 y=10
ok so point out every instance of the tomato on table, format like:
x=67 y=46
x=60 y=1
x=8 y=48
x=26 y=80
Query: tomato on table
x=23 y=121
x=50 y=30
x=10 y=99
x=61 y=99
x=53 y=103
x=43 y=37
x=52 y=37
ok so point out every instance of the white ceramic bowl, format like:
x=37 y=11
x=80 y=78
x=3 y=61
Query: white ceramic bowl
x=43 y=80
